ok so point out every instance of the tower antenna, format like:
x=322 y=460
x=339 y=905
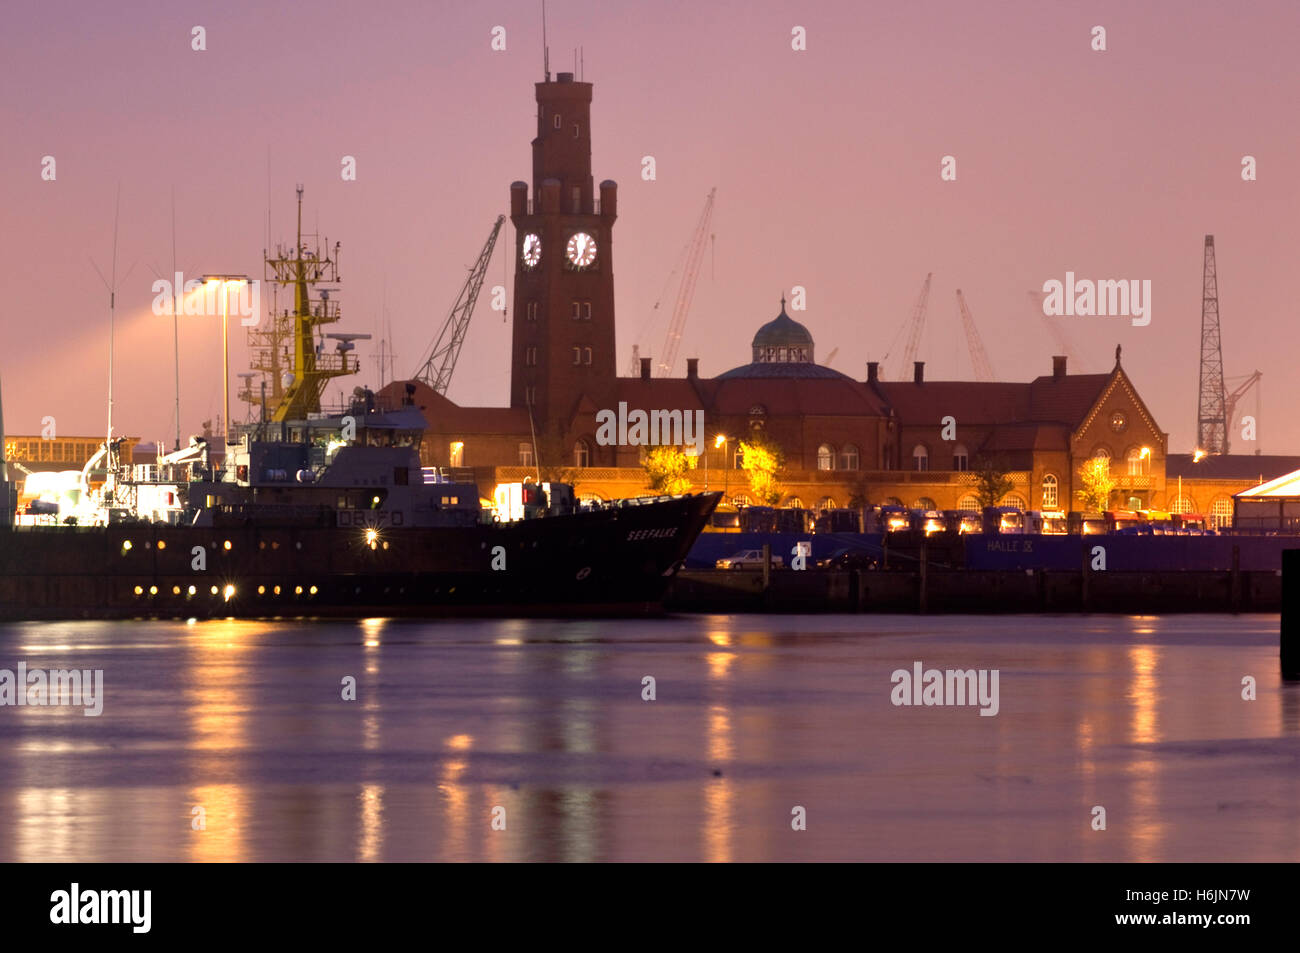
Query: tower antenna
x=546 y=52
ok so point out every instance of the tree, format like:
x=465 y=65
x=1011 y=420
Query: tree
x=1095 y=485
x=667 y=470
x=991 y=481
x=762 y=459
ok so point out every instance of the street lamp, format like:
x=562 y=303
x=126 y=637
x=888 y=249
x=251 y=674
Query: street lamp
x=720 y=441
x=225 y=281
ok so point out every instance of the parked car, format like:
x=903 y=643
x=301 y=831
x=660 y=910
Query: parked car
x=747 y=559
x=849 y=559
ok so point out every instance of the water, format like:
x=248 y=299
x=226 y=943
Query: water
x=754 y=716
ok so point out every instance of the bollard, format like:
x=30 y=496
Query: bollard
x=1290 y=635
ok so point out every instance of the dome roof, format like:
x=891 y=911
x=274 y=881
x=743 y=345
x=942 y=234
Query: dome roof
x=783 y=331
x=789 y=370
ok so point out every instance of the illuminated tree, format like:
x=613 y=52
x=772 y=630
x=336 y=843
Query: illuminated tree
x=991 y=481
x=1095 y=485
x=667 y=468
x=763 y=460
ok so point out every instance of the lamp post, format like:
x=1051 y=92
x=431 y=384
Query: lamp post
x=720 y=441
x=225 y=281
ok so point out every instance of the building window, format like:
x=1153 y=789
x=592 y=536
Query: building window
x=920 y=457
x=581 y=311
x=924 y=503
x=849 y=457
x=1051 y=492
x=582 y=454
x=530 y=396
x=1014 y=499
x=1102 y=454
x=457 y=453
x=577 y=199
x=825 y=503
x=893 y=501
x=586 y=355
x=559 y=121
x=738 y=458
x=530 y=356
x=1221 y=512
x=960 y=458
x=794 y=503
x=1137 y=462
x=526 y=455
x=532 y=311
x=825 y=457
x=740 y=500
x=577 y=356
x=969 y=504
x=1183 y=504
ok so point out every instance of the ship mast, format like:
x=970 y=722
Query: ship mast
x=304 y=270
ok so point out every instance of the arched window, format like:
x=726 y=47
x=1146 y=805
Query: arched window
x=1102 y=454
x=739 y=500
x=848 y=457
x=794 y=503
x=1184 y=504
x=1014 y=499
x=920 y=457
x=826 y=457
x=970 y=503
x=582 y=454
x=960 y=458
x=825 y=503
x=588 y=497
x=893 y=501
x=1221 y=512
x=1137 y=461
x=1051 y=492
x=738 y=458
x=924 y=503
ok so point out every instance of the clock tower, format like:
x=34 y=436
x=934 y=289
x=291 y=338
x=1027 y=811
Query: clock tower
x=563 y=331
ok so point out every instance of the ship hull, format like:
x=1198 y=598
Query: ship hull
x=603 y=562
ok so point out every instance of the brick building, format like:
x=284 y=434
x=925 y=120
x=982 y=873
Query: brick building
x=845 y=440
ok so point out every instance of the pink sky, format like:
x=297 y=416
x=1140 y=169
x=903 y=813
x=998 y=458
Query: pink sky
x=1111 y=165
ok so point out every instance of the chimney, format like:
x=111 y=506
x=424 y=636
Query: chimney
x=873 y=371
x=918 y=372
x=645 y=368
x=1058 y=367
x=692 y=368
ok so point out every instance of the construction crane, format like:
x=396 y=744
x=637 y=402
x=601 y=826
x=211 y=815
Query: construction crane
x=437 y=368
x=686 y=290
x=1054 y=328
x=915 y=324
x=830 y=358
x=1230 y=404
x=979 y=358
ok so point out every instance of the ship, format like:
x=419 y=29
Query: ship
x=313 y=513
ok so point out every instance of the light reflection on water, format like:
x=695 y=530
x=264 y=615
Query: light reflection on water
x=545 y=721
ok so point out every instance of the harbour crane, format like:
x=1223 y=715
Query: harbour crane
x=1230 y=404
x=915 y=324
x=686 y=290
x=436 y=369
x=979 y=358
x=1054 y=328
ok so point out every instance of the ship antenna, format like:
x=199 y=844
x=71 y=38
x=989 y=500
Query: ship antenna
x=176 y=333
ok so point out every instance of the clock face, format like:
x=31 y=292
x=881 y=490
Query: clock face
x=1118 y=421
x=532 y=252
x=581 y=250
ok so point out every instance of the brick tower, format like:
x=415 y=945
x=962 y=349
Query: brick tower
x=563 y=344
